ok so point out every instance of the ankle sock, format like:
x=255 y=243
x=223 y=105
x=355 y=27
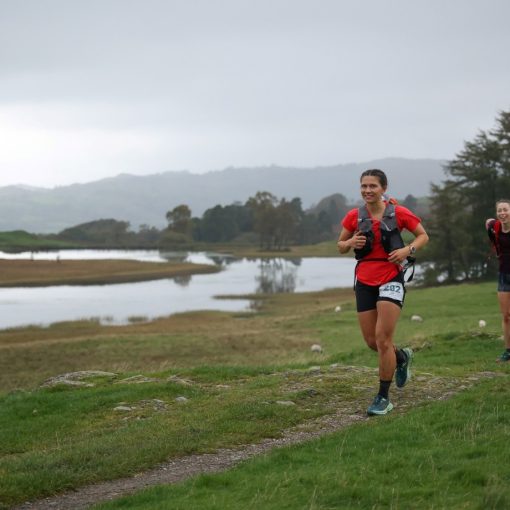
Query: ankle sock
x=384 y=388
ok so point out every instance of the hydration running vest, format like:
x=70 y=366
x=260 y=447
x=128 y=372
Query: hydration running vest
x=390 y=235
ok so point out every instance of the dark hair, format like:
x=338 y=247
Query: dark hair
x=375 y=172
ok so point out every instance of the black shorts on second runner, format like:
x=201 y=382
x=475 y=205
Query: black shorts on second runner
x=368 y=295
x=504 y=282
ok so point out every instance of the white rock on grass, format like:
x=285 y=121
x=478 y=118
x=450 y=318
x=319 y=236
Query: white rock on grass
x=285 y=403
x=137 y=379
x=66 y=382
x=482 y=323
x=316 y=348
x=416 y=318
x=178 y=380
x=181 y=399
x=75 y=378
x=338 y=309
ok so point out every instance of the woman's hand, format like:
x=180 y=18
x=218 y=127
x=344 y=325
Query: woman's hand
x=348 y=240
x=358 y=240
x=487 y=222
x=398 y=256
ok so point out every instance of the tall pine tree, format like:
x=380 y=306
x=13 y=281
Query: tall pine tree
x=476 y=179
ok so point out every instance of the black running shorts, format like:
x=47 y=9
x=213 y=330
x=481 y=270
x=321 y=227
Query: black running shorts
x=504 y=282
x=368 y=295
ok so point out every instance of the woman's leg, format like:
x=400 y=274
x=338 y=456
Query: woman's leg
x=387 y=317
x=367 y=322
x=504 y=306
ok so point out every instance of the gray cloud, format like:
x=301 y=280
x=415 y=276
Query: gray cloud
x=89 y=89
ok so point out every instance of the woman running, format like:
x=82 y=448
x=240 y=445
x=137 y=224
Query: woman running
x=499 y=233
x=373 y=231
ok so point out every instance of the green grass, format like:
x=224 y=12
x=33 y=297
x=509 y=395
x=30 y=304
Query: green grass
x=451 y=454
x=16 y=240
x=323 y=249
x=238 y=367
x=53 y=439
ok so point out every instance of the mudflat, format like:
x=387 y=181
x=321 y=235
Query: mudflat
x=33 y=273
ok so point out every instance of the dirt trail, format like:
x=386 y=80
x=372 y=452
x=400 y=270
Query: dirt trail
x=177 y=470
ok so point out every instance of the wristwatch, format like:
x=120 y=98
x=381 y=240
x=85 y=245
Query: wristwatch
x=412 y=249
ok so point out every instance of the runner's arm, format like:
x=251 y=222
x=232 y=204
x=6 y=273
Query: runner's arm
x=348 y=240
x=421 y=238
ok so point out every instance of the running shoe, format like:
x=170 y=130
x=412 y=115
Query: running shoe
x=380 y=405
x=504 y=357
x=403 y=371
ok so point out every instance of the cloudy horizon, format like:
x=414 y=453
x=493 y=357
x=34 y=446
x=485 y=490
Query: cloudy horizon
x=93 y=89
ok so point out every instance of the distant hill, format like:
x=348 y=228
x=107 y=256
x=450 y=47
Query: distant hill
x=146 y=199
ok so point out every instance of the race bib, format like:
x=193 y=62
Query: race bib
x=392 y=290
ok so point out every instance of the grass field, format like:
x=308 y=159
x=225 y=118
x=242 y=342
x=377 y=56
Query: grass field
x=233 y=370
x=19 y=240
x=324 y=249
x=449 y=455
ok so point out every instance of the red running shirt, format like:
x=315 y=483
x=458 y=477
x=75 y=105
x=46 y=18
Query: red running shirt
x=379 y=272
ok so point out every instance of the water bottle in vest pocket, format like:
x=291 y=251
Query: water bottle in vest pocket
x=391 y=240
x=359 y=253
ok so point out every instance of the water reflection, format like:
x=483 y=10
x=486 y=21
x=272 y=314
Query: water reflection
x=277 y=276
x=172 y=256
x=218 y=259
x=183 y=280
x=117 y=303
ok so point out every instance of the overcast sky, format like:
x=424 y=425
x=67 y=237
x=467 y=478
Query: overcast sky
x=90 y=89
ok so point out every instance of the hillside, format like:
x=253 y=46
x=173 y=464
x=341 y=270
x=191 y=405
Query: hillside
x=146 y=199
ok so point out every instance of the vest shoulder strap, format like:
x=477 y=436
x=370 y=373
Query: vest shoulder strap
x=364 y=219
x=389 y=217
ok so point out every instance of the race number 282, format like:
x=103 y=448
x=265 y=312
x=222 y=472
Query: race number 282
x=392 y=290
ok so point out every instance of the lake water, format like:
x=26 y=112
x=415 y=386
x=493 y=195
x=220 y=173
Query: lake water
x=125 y=302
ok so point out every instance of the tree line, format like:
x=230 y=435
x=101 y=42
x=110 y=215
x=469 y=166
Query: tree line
x=476 y=178
x=454 y=216
x=264 y=220
x=273 y=224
